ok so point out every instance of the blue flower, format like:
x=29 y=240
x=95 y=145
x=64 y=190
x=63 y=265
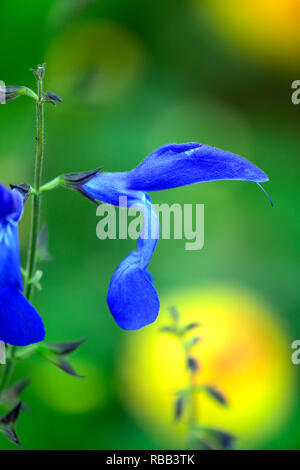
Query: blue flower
x=20 y=323
x=132 y=298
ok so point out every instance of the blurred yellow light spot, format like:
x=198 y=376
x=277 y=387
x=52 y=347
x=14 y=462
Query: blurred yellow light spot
x=244 y=352
x=94 y=62
x=66 y=393
x=267 y=28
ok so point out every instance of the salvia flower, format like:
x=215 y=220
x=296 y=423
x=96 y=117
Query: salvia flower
x=20 y=323
x=132 y=298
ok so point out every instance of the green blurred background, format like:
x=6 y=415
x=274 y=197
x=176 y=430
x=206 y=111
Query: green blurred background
x=135 y=75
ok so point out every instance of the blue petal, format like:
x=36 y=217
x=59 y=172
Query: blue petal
x=6 y=202
x=177 y=165
x=149 y=234
x=18 y=205
x=132 y=298
x=171 y=166
x=10 y=270
x=20 y=323
x=11 y=204
x=108 y=187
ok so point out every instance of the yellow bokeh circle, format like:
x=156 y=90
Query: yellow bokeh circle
x=266 y=28
x=244 y=352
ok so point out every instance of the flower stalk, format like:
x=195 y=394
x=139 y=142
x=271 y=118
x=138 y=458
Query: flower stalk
x=35 y=218
x=186 y=402
x=36 y=205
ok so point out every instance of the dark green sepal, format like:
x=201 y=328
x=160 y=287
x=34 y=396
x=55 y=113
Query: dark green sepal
x=192 y=364
x=216 y=394
x=14 y=391
x=64 y=348
x=23 y=189
x=179 y=407
x=8 y=423
x=76 y=181
x=56 y=354
x=52 y=98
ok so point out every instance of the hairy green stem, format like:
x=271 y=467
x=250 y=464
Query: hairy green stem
x=192 y=421
x=36 y=206
x=35 y=218
x=51 y=184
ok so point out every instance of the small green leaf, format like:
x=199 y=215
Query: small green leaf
x=221 y=439
x=12 y=416
x=168 y=329
x=26 y=351
x=174 y=313
x=35 y=280
x=58 y=360
x=64 y=348
x=216 y=394
x=8 y=422
x=179 y=406
x=56 y=352
x=11 y=435
x=192 y=364
x=15 y=390
x=201 y=444
x=64 y=365
x=190 y=327
x=192 y=342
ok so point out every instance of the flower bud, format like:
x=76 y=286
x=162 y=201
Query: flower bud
x=52 y=98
